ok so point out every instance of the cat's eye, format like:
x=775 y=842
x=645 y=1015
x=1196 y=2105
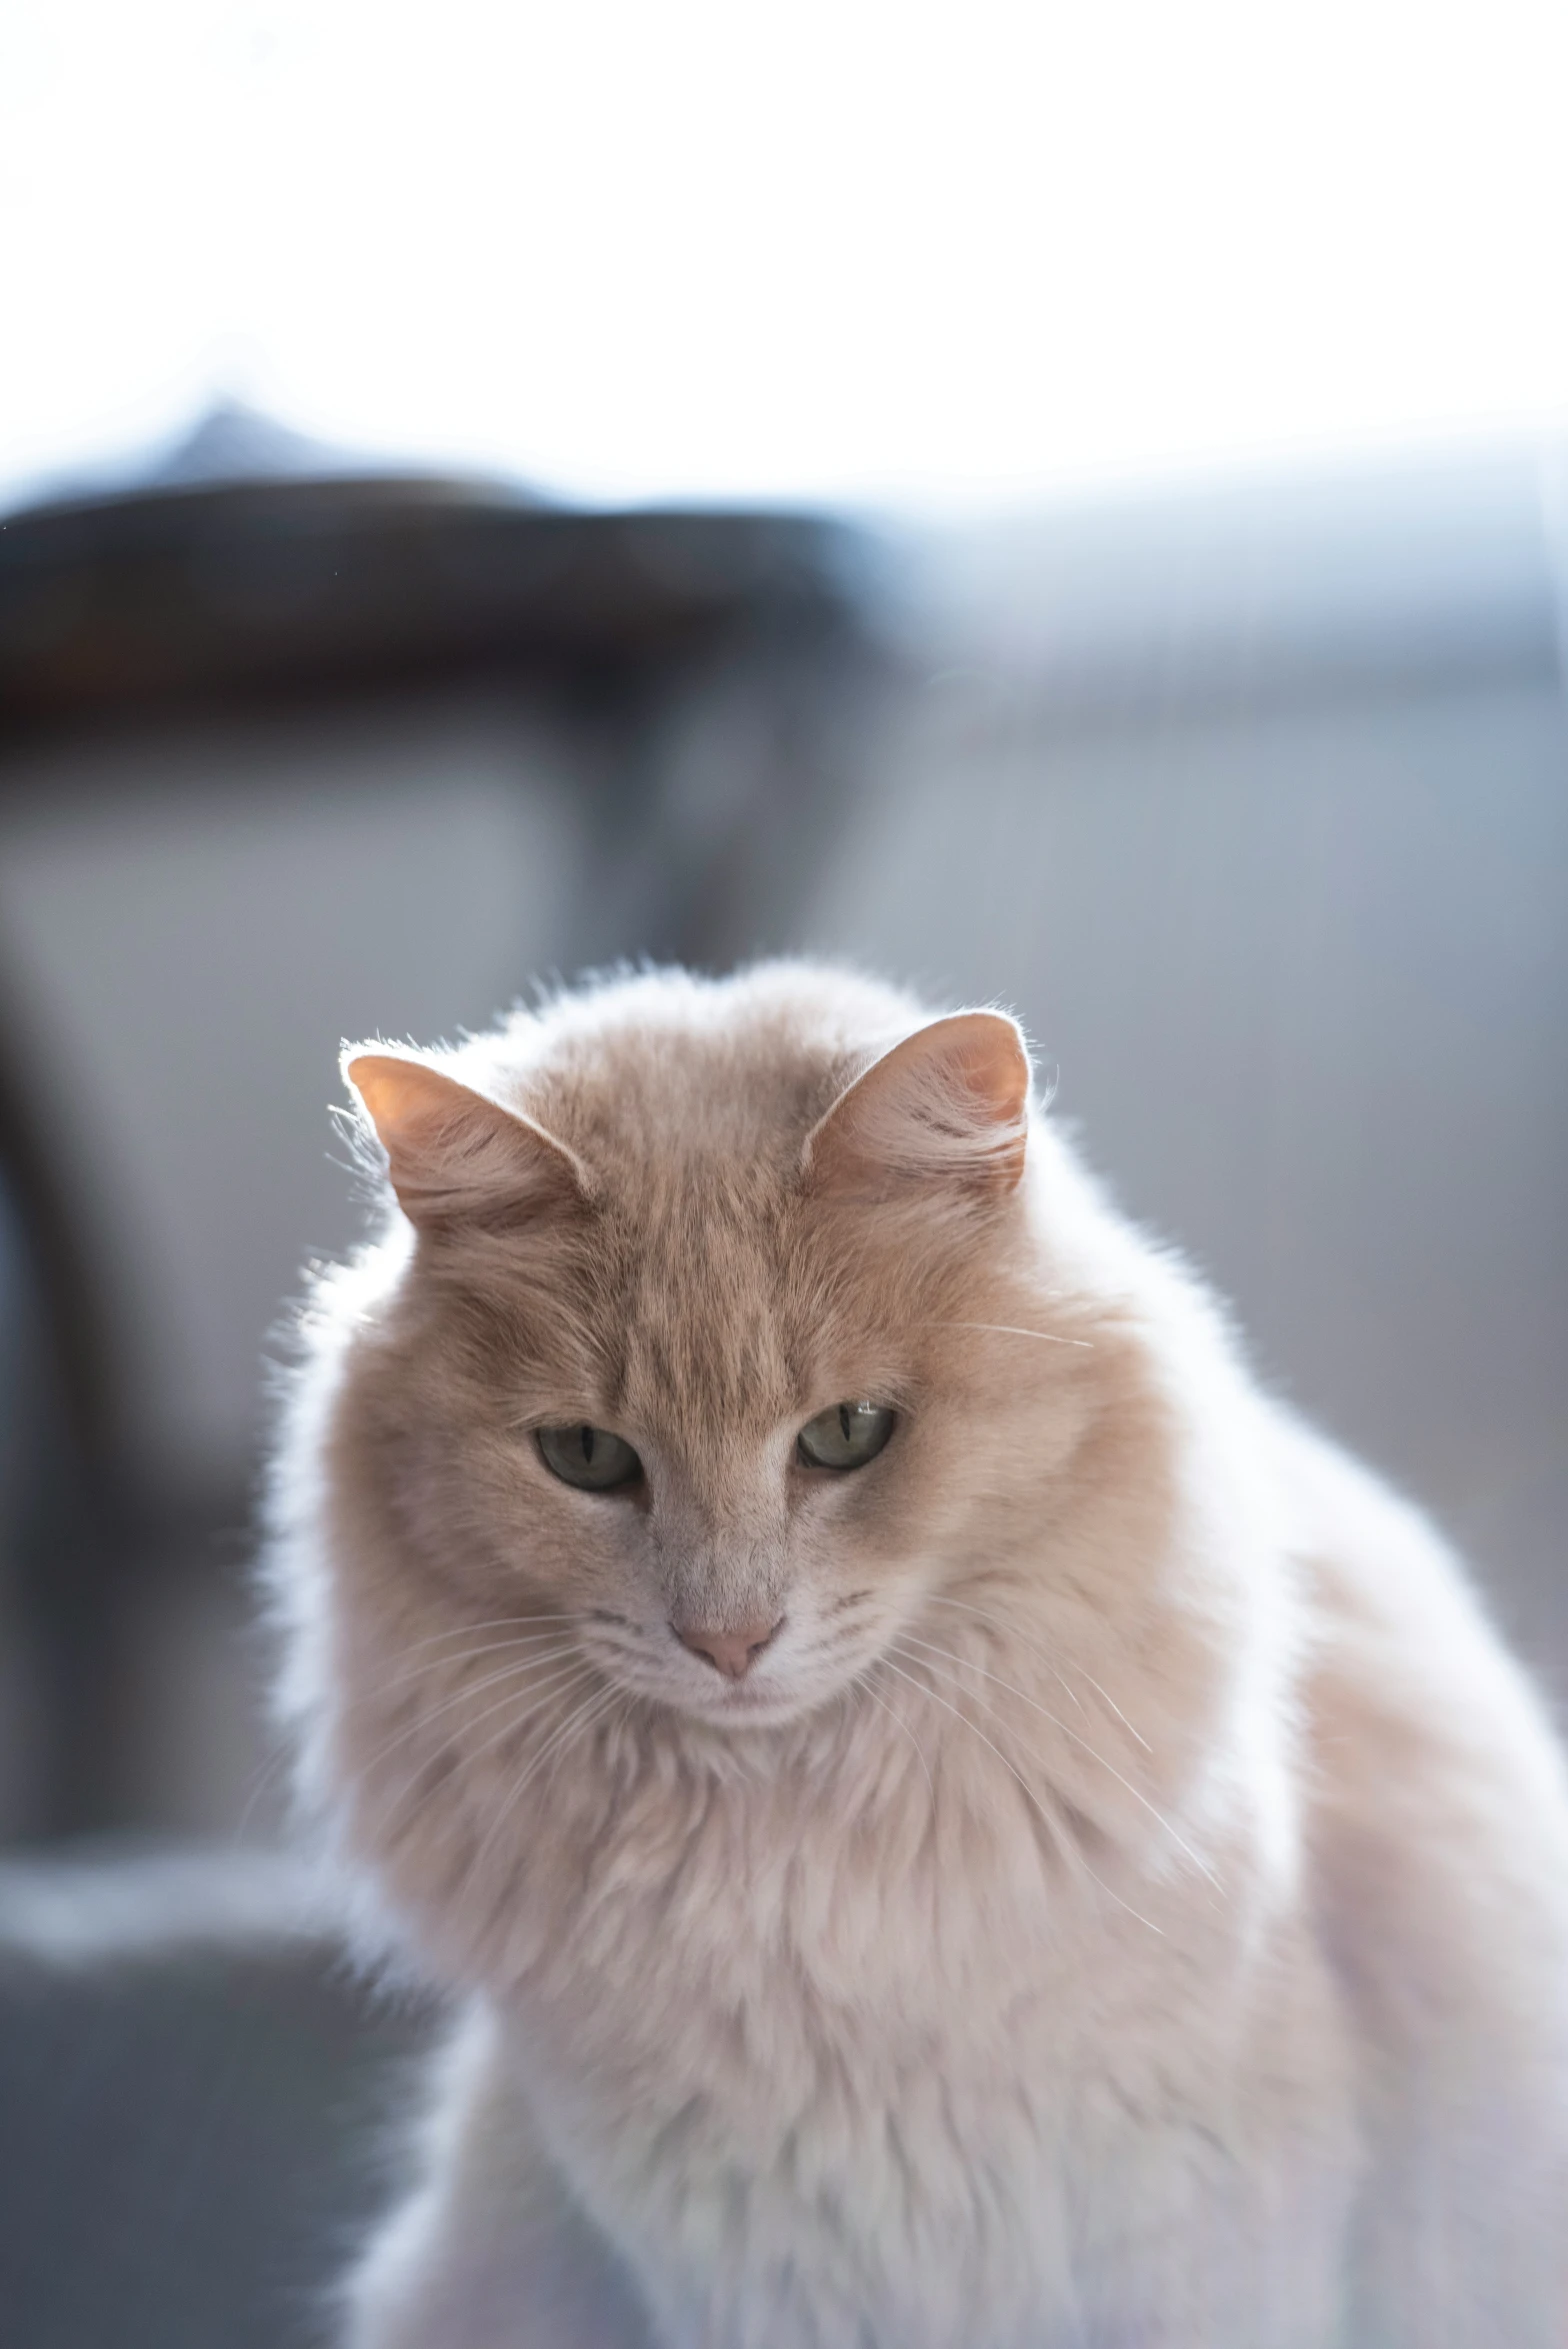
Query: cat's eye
x=846 y=1435
x=590 y=1457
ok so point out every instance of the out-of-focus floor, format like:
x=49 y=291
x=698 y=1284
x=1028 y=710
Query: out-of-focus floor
x=201 y=2106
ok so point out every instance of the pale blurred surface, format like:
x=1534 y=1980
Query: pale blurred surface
x=200 y=2106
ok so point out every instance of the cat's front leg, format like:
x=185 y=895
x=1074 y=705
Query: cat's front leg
x=489 y=2251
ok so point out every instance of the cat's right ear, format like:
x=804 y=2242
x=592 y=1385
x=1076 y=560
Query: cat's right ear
x=453 y=1156
x=950 y=1104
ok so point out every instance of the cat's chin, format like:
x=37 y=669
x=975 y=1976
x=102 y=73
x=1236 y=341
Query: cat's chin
x=775 y=1694
x=736 y=1706
x=743 y=1708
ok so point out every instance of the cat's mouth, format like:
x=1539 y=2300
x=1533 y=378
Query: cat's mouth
x=774 y=1691
x=742 y=1702
x=740 y=1709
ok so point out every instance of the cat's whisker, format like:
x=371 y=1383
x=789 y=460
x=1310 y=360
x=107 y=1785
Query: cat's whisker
x=547 y=1644
x=533 y=1689
x=557 y=1686
x=1060 y=1838
x=619 y=1716
x=836 y=1643
x=553 y=1640
x=583 y=1721
x=1016 y=1638
x=459 y=1695
x=522 y=1623
x=518 y=1716
x=863 y=1684
x=542 y=1645
x=616 y=1643
x=395 y=1819
x=1008 y=1329
x=576 y=1722
x=964 y=1664
x=1106 y=1698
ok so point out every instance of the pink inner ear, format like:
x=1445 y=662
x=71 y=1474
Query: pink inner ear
x=989 y=1056
x=401 y=1097
x=948 y=1103
x=454 y=1156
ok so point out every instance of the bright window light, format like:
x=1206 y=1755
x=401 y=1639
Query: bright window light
x=917 y=254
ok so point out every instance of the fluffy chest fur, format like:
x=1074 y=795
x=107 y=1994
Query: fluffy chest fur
x=868 y=2038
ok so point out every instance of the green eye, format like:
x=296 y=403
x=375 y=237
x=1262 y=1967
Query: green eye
x=587 y=1456
x=846 y=1435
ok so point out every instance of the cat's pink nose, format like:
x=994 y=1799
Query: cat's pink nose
x=731 y=1652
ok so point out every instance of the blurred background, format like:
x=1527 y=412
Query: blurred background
x=1065 y=506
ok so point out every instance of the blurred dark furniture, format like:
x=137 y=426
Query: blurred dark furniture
x=285 y=590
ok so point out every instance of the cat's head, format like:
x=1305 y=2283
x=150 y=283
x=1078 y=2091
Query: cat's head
x=694 y=1349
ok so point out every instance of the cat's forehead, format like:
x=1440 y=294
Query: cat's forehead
x=642 y=1109
x=709 y=1294
x=727 y=1302
x=667 y=1079
x=707 y=1320
x=709 y=1277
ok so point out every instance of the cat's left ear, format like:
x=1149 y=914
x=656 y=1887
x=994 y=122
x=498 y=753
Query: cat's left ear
x=949 y=1104
x=453 y=1155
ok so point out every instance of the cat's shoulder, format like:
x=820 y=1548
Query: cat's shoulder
x=1431 y=1749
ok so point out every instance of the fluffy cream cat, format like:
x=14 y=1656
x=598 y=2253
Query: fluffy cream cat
x=957 y=1821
